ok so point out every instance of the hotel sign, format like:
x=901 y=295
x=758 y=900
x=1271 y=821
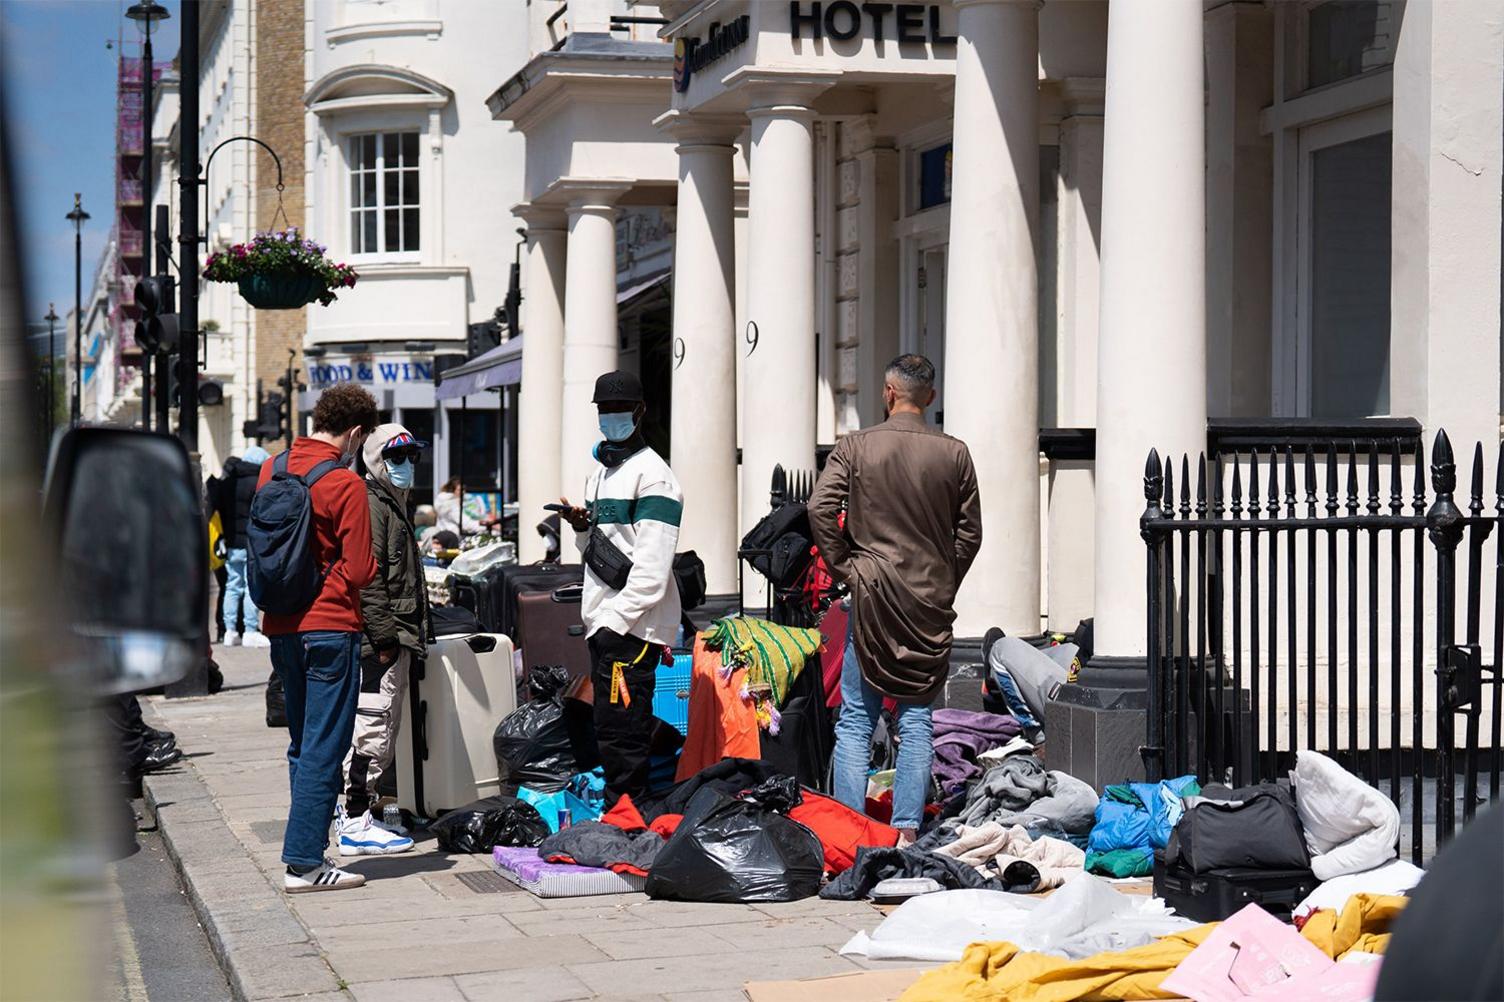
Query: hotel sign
x=692 y=55
x=841 y=20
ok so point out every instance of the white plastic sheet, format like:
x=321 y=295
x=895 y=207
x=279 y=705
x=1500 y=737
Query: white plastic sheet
x=1084 y=917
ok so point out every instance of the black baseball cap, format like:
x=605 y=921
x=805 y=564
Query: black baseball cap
x=618 y=386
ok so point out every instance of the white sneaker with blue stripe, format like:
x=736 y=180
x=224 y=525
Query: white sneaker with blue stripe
x=362 y=836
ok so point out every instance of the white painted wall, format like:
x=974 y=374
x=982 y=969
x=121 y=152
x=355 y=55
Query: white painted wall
x=471 y=166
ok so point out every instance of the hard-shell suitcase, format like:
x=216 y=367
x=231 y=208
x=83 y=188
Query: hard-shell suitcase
x=1216 y=894
x=456 y=696
x=550 y=631
x=671 y=691
x=520 y=579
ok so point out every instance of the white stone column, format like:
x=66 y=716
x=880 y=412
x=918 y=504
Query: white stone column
x=590 y=335
x=704 y=353
x=778 y=340
x=992 y=305
x=1444 y=344
x=1151 y=349
x=539 y=410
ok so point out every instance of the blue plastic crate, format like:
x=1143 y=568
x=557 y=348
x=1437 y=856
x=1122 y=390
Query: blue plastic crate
x=671 y=693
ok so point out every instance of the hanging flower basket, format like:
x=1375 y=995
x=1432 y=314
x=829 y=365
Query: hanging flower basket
x=280 y=291
x=280 y=270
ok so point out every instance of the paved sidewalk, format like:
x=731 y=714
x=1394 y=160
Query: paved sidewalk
x=430 y=926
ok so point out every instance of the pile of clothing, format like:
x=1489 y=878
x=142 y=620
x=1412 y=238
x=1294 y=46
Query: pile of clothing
x=737 y=831
x=1134 y=819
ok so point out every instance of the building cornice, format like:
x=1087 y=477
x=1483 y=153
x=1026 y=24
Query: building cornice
x=394 y=85
x=553 y=77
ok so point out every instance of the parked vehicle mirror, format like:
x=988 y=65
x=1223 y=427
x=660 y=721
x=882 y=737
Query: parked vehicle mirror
x=132 y=555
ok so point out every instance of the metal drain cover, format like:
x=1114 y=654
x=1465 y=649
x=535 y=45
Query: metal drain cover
x=486 y=882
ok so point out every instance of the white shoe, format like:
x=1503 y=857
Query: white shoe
x=254 y=638
x=327 y=877
x=362 y=836
x=232 y=639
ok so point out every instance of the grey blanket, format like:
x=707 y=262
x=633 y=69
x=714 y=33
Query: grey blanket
x=1019 y=791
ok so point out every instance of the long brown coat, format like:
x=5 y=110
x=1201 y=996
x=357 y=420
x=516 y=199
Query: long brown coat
x=913 y=527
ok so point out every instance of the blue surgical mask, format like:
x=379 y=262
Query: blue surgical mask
x=618 y=427
x=401 y=474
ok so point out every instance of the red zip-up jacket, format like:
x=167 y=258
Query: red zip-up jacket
x=342 y=543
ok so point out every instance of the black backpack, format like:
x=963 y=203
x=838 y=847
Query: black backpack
x=779 y=547
x=284 y=577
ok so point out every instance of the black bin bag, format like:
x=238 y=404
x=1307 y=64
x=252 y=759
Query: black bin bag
x=738 y=851
x=532 y=743
x=486 y=824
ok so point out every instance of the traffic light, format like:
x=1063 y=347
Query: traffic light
x=211 y=392
x=514 y=301
x=268 y=423
x=157 y=330
x=481 y=338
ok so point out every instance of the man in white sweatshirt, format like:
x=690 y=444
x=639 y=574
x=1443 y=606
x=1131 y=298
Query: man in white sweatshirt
x=627 y=532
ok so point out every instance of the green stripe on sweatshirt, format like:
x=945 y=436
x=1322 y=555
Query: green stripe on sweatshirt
x=621 y=511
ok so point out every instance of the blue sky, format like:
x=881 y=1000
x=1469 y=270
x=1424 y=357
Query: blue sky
x=59 y=105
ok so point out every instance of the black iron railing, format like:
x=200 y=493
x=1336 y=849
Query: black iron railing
x=1287 y=609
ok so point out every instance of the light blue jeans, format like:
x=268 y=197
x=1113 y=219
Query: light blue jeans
x=238 y=594
x=861 y=708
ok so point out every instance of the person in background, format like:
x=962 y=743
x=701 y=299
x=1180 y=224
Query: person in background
x=912 y=529
x=628 y=533
x=447 y=505
x=424 y=520
x=395 y=609
x=237 y=485
x=317 y=651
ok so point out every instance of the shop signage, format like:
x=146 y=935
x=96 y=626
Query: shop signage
x=378 y=372
x=904 y=23
x=692 y=55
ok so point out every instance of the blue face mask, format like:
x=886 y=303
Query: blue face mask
x=618 y=427
x=401 y=474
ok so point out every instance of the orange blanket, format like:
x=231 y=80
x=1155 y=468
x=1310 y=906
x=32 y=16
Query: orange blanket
x=721 y=724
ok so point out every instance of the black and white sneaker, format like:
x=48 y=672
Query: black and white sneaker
x=327 y=877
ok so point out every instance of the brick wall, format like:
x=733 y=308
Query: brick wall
x=279 y=67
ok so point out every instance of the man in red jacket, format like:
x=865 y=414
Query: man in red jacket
x=317 y=651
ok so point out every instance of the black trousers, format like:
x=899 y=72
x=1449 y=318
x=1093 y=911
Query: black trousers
x=123 y=714
x=623 y=727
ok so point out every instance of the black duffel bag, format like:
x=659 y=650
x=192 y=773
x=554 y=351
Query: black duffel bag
x=1256 y=827
x=780 y=546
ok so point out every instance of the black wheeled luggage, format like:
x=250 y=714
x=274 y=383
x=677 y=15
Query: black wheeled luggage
x=480 y=593
x=1217 y=894
x=804 y=742
x=550 y=631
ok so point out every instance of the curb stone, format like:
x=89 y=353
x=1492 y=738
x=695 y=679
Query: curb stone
x=262 y=947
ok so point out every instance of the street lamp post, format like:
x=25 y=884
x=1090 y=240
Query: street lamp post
x=77 y=217
x=146 y=15
x=51 y=319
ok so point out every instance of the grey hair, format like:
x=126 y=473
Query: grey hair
x=912 y=375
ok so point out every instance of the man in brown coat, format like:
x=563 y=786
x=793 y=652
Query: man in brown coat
x=913 y=526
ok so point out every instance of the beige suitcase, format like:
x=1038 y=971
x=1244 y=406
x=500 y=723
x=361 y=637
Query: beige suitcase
x=462 y=690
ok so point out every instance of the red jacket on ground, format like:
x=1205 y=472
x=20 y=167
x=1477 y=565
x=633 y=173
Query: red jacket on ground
x=342 y=543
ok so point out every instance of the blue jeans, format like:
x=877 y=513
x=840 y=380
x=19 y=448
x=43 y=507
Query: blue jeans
x=320 y=674
x=861 y=708
x=238 y=594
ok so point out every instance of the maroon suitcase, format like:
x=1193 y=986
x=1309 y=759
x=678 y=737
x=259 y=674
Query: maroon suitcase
x=551 y=632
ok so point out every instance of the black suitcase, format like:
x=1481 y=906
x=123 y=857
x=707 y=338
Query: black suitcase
x=1217 y=894
x=804 y=742
x=481 y=594
x=519 y=579
x=550 y=631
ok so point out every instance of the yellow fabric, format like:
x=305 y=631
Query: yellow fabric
x=216 y=542
x=1000 y=972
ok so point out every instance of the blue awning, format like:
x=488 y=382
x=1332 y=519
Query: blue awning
x=499 y=367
